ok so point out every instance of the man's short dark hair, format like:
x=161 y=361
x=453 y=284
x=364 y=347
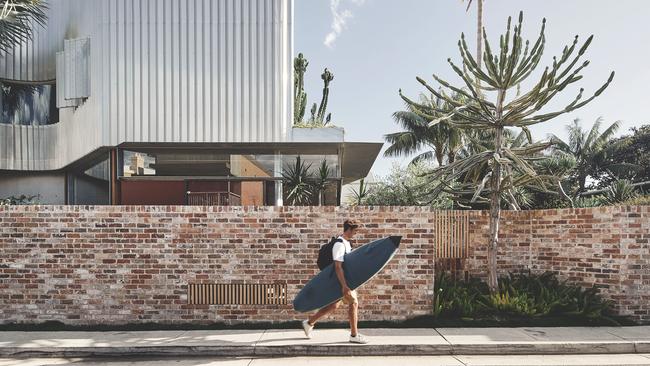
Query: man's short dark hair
x=350 y=224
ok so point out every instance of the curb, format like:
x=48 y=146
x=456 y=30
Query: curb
x=533 y=348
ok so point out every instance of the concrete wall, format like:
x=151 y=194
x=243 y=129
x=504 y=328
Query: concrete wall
x=131 y=264
x=49 y=186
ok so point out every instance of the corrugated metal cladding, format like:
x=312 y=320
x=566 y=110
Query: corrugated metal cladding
x=161 y=71
x=197 y=70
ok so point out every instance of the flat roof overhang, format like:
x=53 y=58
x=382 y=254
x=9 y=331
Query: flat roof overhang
x=356 y=157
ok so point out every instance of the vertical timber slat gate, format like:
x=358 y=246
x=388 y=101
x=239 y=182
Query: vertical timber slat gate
x=451 y=239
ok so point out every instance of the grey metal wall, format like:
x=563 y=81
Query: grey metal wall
x=160 y=71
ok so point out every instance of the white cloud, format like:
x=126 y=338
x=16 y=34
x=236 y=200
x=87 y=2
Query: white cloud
x=339 y=20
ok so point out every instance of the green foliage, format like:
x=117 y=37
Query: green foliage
x=406 y=187
x=523 y=294
x=300 y=64
x=359 y=195
x=19 y=200
x=302 y=186
x=296 y=183
x=321 y=179
x=318 y=112
x=638 y=201
x=587 y=148
x=497 y=171
x=506 y=167
x=620 y=191
x=442 y=141
x=630 y=156
x=16 y=20
x=457 y=298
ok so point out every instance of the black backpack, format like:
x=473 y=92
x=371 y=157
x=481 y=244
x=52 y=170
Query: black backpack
x=325 y=253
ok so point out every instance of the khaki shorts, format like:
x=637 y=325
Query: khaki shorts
x=352 y=299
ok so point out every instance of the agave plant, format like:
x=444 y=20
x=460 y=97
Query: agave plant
x=488 y=108
x=320 y=182
x=297 y=185
x=359 y=195
x=620 y=191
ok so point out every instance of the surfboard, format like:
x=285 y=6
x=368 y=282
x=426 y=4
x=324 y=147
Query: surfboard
x=359 y=266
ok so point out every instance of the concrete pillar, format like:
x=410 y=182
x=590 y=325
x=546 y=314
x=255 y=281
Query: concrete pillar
x=277 y=173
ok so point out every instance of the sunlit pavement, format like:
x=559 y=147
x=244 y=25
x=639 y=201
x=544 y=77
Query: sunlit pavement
x=529 y=360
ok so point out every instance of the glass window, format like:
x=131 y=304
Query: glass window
x=217 y=164
x=28 y=104
x=313 y=163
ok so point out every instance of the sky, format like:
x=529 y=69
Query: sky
x=376 y=47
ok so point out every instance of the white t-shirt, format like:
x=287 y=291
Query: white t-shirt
x=340 y=249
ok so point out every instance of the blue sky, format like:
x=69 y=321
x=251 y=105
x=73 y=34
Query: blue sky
x=376 y=47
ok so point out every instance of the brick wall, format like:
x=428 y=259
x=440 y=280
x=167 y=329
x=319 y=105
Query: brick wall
x=608 y=247
x=131 y=264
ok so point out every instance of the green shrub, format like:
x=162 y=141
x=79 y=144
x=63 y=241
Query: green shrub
x=638 y=201
x=523 y=294
x=19 y=200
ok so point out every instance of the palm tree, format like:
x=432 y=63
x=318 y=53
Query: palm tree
x=16 y=20
x=585 y=147
x=488 y=108
x=441 y=140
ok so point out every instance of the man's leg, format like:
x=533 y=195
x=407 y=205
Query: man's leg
x=353 y=316
x=322 y=312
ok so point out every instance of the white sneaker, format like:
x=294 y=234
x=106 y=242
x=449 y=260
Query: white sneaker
x=307 y=328
x=360 y=339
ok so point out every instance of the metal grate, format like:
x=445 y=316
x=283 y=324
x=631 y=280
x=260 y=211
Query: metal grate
x=451 y=229
x=236 y=294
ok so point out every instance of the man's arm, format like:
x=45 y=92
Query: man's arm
x=338 y=267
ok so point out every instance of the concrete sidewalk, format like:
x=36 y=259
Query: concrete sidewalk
x=329 y=342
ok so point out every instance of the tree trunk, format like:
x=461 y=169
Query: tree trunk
x=495 y=200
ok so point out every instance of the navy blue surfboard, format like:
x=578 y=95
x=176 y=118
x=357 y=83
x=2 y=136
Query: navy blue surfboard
x=360 y=265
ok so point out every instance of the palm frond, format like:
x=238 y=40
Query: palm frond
x=17 y=19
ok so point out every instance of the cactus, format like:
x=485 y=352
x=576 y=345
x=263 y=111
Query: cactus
x=318 y=112
x=327 y=77
x=299 y=95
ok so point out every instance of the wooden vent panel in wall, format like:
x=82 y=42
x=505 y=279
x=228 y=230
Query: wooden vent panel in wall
x=236 y=294
x=451 y=229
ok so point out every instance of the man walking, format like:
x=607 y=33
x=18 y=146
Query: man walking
x=339 y=250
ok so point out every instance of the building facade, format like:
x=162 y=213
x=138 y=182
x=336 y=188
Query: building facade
x=161 y=102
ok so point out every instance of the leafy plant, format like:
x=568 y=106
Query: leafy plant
x=296 y=183
x=442 y=141
x=638 y=201
x=359 y=195
x=586 y=147
x=457 y=298
x=620 y=191
x=20 y=200
x=406 y=186
x=16 y=19
x=320 y=183
x=523 y=294
x=486 y=107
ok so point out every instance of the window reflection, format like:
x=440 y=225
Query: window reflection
x=216 y=164
x=28 y=104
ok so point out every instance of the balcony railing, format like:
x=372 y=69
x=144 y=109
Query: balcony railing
x=213 y=199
